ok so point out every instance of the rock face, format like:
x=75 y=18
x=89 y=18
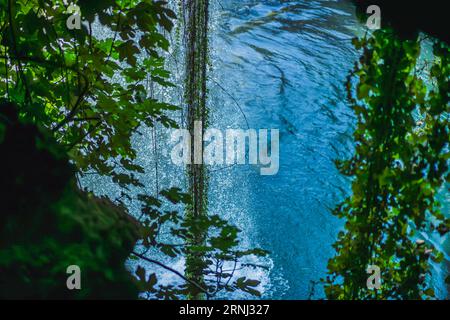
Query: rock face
x=410 y=17
x=48 y=224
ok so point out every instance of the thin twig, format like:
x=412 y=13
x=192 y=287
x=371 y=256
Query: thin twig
x=173 y=271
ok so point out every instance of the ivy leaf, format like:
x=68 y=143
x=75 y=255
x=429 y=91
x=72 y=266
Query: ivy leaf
x=247 y=285
x=128 y=51
x=175 y=196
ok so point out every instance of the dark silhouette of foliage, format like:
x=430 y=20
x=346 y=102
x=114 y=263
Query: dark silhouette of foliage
x=47 y=224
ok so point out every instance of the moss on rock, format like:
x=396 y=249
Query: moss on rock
x=48 y=224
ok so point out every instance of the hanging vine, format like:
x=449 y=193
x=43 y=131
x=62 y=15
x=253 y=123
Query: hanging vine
x=399 y=166
x=196 y=34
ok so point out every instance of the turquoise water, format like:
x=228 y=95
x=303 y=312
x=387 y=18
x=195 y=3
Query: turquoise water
x=284 y=63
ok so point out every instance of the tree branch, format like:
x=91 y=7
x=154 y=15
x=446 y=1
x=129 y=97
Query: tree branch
x=173 y=271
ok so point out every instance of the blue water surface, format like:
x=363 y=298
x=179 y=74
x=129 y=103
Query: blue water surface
x=283 y=64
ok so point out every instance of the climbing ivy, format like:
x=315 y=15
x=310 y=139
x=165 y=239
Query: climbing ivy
x=196 y=16
x=399 y=166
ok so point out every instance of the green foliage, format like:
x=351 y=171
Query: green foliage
x=219 y=252
x=91 y=88
x=399 y=166
x=47 y=224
